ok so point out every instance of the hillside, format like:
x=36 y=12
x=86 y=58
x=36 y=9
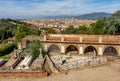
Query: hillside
x=97 y=15
x=8 y=28
x=91 y=16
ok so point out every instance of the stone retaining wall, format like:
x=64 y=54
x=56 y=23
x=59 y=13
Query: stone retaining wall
x=23 y=74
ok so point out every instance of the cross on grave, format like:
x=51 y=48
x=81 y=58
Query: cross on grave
x=40 y=55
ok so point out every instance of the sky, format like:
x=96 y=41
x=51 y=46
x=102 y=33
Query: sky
x=39 y=8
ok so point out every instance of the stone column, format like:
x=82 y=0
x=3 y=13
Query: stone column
x=45 y=37
x=45 y=47
x=23 y=44
x=62 y=49
x=100 y=39
x=100 y=51
x=119 y=52
x=81 y=38
x=19 y=45
x=81 y=50
x=62 y=38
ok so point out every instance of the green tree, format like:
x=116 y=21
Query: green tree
x=113 y=24
x=7 y=49
x=8 y=28
x=3 y=35
x=70 y=30
x=50 y=31
x=34 y=49
x=83 y=30
x=21 y=32
x=98 y=27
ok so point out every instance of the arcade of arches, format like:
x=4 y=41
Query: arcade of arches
x=88 y=50
x=101 y=45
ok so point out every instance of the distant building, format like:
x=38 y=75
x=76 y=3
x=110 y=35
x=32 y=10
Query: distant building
x=60 y=23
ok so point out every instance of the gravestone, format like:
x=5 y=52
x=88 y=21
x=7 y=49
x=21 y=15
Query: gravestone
x=38 y=63
x=15 y=54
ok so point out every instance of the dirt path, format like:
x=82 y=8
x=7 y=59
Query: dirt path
x=109 y=72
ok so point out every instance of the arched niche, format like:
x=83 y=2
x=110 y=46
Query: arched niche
x=110 y=51
x=71 y=49
x=90 y=50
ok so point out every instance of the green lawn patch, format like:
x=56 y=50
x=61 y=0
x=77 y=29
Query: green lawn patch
x=6 y=57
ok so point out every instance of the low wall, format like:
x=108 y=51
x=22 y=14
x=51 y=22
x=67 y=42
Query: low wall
x=23 y=74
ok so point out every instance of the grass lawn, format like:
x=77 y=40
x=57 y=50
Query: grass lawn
x=6 y=57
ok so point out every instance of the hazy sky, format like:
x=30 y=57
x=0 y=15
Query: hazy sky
x=35 y=8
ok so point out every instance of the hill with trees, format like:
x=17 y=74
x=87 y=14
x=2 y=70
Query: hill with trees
x=110 y=25
x=9 y=28
x=91 y=16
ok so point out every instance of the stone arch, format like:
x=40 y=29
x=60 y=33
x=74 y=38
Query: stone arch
x=53 y=49
x=90 y=50
x=71 y=49
x=110 y=51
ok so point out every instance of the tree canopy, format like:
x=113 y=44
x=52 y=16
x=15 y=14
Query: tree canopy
x=9 y=27
x=113 y=24
x=83 y=30
x=70 y=30
x=98 y=27
x=79 y=30
x=34 y=49
x=109 y=25
x=8 y=48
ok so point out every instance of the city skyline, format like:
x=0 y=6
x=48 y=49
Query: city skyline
x=35 y=8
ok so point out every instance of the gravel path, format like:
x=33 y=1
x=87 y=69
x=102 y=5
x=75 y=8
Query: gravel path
x=109 y=72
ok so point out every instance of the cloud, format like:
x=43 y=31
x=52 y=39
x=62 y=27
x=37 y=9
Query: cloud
x=32 y=8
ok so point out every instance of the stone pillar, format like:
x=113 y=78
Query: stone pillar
x=23 y=44
x=81 y=50
x=62 y=49
x=45 y=37
x=19 y=45
x=100 y=51
x=45 y=47
x=81 y=38
x=119 y=52
x=62 y=38
x=100 y=39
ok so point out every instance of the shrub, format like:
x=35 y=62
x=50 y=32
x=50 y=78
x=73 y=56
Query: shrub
x=7 y=49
